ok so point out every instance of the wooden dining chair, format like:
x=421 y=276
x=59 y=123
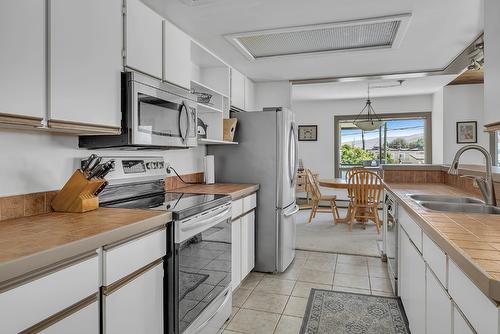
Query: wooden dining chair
x=317 y=197
x=365 y=189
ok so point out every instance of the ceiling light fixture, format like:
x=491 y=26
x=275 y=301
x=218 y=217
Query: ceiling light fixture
x=371 y=121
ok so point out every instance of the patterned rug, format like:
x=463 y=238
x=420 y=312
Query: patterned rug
x=333 y=312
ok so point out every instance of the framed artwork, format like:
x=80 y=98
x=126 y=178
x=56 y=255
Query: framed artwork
x=308 y=132
x=467 y=132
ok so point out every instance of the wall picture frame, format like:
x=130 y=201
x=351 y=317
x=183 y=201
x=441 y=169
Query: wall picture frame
x=467 y=132
x=308 y=132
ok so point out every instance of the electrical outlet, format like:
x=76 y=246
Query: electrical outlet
x=167 y=167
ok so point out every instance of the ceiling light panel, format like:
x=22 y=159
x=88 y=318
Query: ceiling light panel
x=365 y=34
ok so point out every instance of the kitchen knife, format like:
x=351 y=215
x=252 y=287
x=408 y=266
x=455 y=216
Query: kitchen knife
x=95 y=171
x=108 y=166
x=86 y=163
x=93 y=165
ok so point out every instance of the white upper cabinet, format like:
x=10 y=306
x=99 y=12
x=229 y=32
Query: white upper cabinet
x=249 y=95
x=177 y=56
x=22 y=58
x=237 y=89
x=85 y=62
x=144 y=39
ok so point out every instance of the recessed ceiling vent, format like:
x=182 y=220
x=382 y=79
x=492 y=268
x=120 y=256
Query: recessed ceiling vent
x=375 y=33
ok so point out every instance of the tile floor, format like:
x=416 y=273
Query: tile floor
x=267 y=304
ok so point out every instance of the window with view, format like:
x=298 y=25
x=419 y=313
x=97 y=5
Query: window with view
x=401 y=140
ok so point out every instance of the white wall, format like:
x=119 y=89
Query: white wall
x=492 y=61
x=319 y=155
x=463 y=103
x=33 y=161
x=272 y=94
x=437 y=127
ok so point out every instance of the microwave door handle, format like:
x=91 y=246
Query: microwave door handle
x=183 y=109
x=188 y=128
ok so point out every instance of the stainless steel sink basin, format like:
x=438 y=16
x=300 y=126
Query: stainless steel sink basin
x=461 y=207
x=445 y=199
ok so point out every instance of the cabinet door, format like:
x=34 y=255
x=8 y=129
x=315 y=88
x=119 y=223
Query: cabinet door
x=236 y=253
x=144 y=39
x=438 y=306
x=412 y=284
x=460 y=325
x=22 y=58
x=249 y=95
x=137 y=306
x=84 y=321
x=177 y=56
x=85 y=61
x=237 y=89
x=247 y=244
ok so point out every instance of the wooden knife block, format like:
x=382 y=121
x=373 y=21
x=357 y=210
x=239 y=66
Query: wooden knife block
x=78 y=194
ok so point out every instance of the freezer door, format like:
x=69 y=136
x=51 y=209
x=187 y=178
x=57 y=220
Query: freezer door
x=287 y=232
x=288 y=158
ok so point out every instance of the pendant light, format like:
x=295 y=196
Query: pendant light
x=371 y=121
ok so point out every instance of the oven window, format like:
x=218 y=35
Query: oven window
x=158 y=117
x=204 y=271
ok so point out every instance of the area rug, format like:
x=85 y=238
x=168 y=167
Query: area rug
x=323 y=236
x=334 y=312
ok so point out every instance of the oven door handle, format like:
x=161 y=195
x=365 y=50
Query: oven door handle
x=226 y=214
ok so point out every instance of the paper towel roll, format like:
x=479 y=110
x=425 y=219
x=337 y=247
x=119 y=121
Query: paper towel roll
x=209 y=169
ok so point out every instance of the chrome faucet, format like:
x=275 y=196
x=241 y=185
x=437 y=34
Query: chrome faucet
x=485 y=184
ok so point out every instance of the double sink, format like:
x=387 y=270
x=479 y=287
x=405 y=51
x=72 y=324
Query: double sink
x=454 y=204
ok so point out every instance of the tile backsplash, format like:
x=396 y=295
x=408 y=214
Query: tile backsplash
x=25 y=205
x=37 y=203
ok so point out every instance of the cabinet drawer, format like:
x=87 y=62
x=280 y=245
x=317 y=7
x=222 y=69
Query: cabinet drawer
x=478 y=309
x=37 y=300
x=236 y=208
x=412 y=229
x=126 y=258
x=249 y=202
x=85 y=321
x=436 y=259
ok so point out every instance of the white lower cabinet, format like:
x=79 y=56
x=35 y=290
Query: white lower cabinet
x=236 y=253
x=137 y=305
x=35 y=301
x=460 y=325
x=438 y=308
x=247 y=243
x=84 y=321
x=243 y=238
x=412 y=279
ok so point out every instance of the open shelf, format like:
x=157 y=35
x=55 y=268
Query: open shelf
x=199 y=87
x=215 y=142
x=203 y=107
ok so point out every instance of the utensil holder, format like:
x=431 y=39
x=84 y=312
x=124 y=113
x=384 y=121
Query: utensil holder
x=78 y=194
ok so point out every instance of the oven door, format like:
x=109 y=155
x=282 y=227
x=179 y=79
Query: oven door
x=160 y=118
x=203 y=260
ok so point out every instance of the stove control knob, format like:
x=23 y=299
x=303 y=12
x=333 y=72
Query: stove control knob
x=160 y=165
x=154 y=165
x=148 y=165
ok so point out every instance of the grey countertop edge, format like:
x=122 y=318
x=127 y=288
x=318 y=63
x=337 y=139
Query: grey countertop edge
x=488 y=285
x=245 y=192
x=28 y=264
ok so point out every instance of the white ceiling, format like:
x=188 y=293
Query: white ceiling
x=355 y=90
x=438 y=31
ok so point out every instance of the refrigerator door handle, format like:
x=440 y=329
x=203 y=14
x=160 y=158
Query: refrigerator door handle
x=292 y=171
x=294 y=211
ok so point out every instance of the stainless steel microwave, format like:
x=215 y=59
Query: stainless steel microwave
x=155 y=115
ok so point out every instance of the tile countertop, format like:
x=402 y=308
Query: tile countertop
x=32 y=243
x=235 y=190
x=472 y=241
x=477 y=170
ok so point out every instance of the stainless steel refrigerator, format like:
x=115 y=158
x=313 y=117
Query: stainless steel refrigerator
x=267 y=155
